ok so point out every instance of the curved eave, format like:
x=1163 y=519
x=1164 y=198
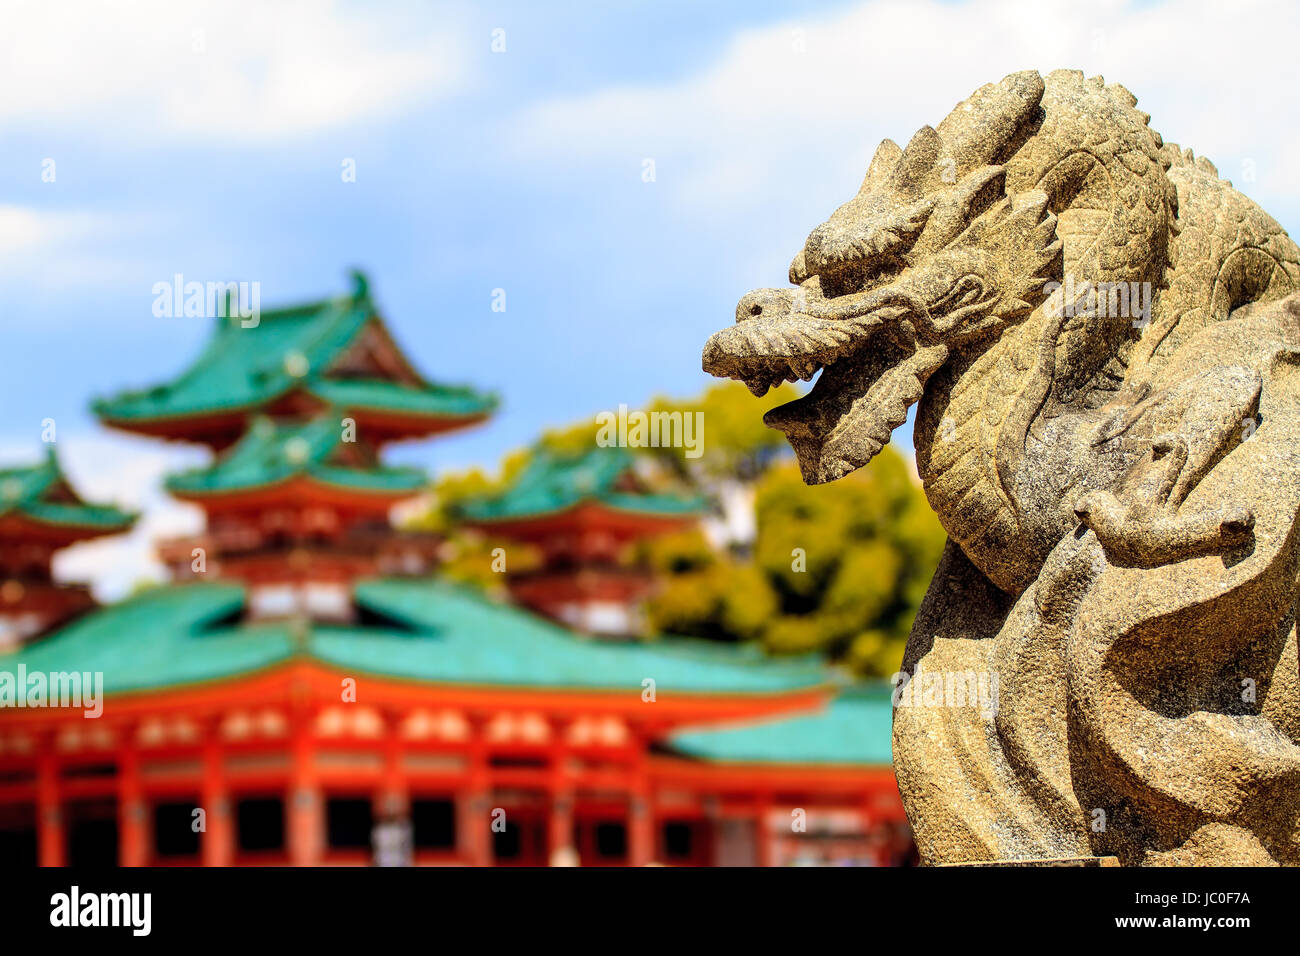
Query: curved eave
x=110 y=410
x=252 y=684
x=19 y=523
x=585 y=510
x=219 y=427
x=406 y=425
x=671 y=707
x=295 y=485
x=301 y=672
x=192 y=424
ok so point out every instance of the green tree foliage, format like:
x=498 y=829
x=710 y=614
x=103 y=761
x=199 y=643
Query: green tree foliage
x=466 y=555
x=838 y=568
x=737 y=445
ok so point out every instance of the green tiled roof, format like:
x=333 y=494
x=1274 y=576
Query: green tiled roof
x=482 y=642
x=183 y=634
x=554 y=481
x=444 y=400
x=244 y=369
x=854 y=729
x=30 y=491
x=272 y=452
x=157 y=639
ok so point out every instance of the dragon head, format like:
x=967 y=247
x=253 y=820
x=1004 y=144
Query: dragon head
x=932 y=257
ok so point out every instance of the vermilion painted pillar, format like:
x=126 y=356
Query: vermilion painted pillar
x=559 y=824
x=473 y=814
x=641 y=817
x=305 y=809
x=217 y=840
x=764 y=838
x=52 y=849
x=394 y=797
x=132 y=829
x=867 y=816
x=641 y=830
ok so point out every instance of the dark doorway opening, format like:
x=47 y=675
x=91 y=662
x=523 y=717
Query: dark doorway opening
x=611 y=841
x=349 y=822
x=18 y=836
x=433 y=823
x=260 y=824
x=522 y=840
x=92 y=833
x=174 y=835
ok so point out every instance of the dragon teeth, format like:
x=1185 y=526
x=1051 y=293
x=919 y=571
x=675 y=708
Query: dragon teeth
x=805 y=369
x=758 y=382
x=760 y=379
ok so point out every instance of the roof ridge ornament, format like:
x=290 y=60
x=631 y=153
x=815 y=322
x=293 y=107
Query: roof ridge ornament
x=360 y=284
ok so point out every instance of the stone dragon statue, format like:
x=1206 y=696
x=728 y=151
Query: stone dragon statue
x=1102 y=343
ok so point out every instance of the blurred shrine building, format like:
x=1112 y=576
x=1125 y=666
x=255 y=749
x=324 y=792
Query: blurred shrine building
x=306 y=690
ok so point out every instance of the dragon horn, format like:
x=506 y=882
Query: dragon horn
x=914 y=167
x=887 y=156
x=979 y=130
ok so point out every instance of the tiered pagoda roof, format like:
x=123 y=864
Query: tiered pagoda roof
x=38 y=501
x=332 y=353
x=297 y=405
x=300 y=587
x=289 y=458
x=581 y=508
x=599 y=481
x=40 y=514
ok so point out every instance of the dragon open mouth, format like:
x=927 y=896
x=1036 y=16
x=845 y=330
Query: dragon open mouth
x=872 y=372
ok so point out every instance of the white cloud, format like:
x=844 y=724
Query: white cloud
x=229 y=70
x=797 y=108
x=24 y=229
x=55 y=248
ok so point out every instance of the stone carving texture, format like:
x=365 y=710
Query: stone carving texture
x=1102 y=342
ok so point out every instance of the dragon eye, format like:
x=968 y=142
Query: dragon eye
x=970 y=288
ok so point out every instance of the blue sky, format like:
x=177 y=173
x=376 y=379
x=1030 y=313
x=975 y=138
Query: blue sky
x=447 y=206
x=208 y=139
